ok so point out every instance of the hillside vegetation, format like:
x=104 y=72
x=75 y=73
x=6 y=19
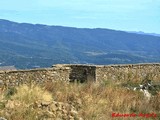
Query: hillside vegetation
x=33 y=45
x=74 y=101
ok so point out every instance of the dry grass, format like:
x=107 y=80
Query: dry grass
x=31 y=94
x=92 y=101
x=99 y=101
x=17 y=104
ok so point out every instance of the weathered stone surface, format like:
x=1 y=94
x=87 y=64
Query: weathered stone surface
x=80 y=73
x=53 y=107
x=14 y=78
x=45 y=110
x=137 y=72
x=45 y=103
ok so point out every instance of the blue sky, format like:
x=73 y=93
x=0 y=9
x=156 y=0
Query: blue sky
x=128 y=15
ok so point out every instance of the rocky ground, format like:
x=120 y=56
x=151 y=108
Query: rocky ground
x=45 y=110
x=75 y=101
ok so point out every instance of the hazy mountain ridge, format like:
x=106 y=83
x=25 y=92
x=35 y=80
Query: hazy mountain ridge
x=28 y=45
x=143 y=33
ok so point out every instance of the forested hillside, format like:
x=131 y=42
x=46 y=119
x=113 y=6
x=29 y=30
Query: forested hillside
x=33 y=45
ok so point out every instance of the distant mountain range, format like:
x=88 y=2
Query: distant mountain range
x=34 y=45
x=143 y=33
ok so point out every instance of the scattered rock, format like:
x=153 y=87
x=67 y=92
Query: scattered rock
x=73 y=113
x=1 y=82
x=53 y=107
x=45 y=103
x=46 y=110
x=147 y=87
x=2 y=118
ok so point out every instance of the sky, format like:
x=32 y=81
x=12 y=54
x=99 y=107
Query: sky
x=127 y=15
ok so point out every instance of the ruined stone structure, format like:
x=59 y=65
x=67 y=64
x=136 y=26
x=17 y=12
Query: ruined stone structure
x=82 y=73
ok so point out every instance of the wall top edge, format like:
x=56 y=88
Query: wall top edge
x=25 y=70
x=92 y=65
x=62 y=66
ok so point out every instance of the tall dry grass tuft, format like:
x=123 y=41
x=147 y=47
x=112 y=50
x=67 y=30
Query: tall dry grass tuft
x=18 y=106
x=63 y=91
x=32 y=93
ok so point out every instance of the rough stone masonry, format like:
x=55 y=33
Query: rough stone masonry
x=82 y=73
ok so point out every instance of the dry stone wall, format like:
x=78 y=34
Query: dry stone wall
x=82 y=73
x=136 y=72
x=12 y=78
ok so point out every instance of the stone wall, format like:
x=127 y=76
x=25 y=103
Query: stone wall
x=136 y=72
x=82 y=73
x=12 y=78
x=59 y=72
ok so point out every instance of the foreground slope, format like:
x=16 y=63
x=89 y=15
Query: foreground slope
x=88 y=101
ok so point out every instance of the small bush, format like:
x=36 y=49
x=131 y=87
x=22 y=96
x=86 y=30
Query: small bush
x=10 y=92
